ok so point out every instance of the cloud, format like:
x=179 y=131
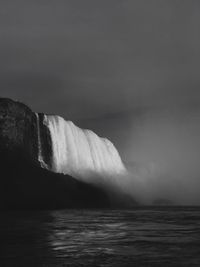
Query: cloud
x=90 y=60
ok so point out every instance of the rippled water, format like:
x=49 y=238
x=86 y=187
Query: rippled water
x=139 y=237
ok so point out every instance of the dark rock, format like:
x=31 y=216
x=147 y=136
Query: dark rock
x=45 y=138
x=18 y=133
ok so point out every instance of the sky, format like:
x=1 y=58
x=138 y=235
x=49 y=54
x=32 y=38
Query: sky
x=129 y=70
x=90 y=58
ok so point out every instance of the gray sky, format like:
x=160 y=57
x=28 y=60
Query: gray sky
x=84 y=59
x=129 y=70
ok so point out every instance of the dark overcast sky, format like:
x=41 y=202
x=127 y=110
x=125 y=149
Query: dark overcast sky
x=129 y=70
x=88 y=58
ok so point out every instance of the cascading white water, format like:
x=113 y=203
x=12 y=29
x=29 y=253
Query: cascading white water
x=81 y=153
x=40 y=156
x=39 y=139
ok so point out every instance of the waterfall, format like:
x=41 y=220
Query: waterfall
x=40 y=156
x=81 y=153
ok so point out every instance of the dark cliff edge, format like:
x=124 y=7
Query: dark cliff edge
x=24 y=184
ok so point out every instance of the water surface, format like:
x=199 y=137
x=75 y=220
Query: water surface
x=139 y=237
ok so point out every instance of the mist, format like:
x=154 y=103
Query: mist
x=163 y=154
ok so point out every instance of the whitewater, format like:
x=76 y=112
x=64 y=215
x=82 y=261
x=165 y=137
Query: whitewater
x=80 y=152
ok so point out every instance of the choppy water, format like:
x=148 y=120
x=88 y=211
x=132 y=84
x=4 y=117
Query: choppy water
x=140 y=237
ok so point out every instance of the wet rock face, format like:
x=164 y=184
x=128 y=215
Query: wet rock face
x=19 y=133
x=18 y=129
x=45 y=140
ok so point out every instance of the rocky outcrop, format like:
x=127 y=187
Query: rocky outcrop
x=18 y=133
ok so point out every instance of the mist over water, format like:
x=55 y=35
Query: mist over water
x=164 y=152
x=160 y=147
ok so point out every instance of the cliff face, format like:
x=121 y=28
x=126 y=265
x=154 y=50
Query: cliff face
x=23 y=183
x=17 y=129
x=29 y=149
